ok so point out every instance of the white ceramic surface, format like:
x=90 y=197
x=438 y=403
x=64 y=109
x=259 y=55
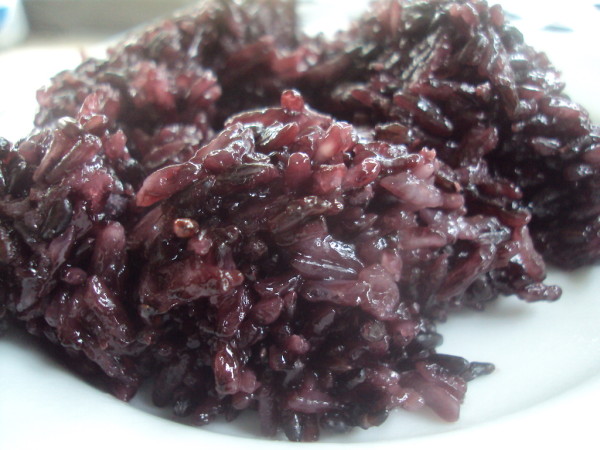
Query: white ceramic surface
x=545 y=391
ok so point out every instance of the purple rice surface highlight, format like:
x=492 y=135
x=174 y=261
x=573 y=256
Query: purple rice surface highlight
x=180 y=216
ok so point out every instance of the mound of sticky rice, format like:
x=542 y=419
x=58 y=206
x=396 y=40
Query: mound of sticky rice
x=181 y=216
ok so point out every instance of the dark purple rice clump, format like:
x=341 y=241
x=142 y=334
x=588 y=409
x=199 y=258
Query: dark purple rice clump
x=293 y=265
x=283 y=260
x=169 y=86
x=454 y=76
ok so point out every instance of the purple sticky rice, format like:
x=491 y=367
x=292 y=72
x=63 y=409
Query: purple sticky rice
x=182 y=216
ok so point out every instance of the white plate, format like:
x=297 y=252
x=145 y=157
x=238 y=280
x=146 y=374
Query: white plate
x=545 y=390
